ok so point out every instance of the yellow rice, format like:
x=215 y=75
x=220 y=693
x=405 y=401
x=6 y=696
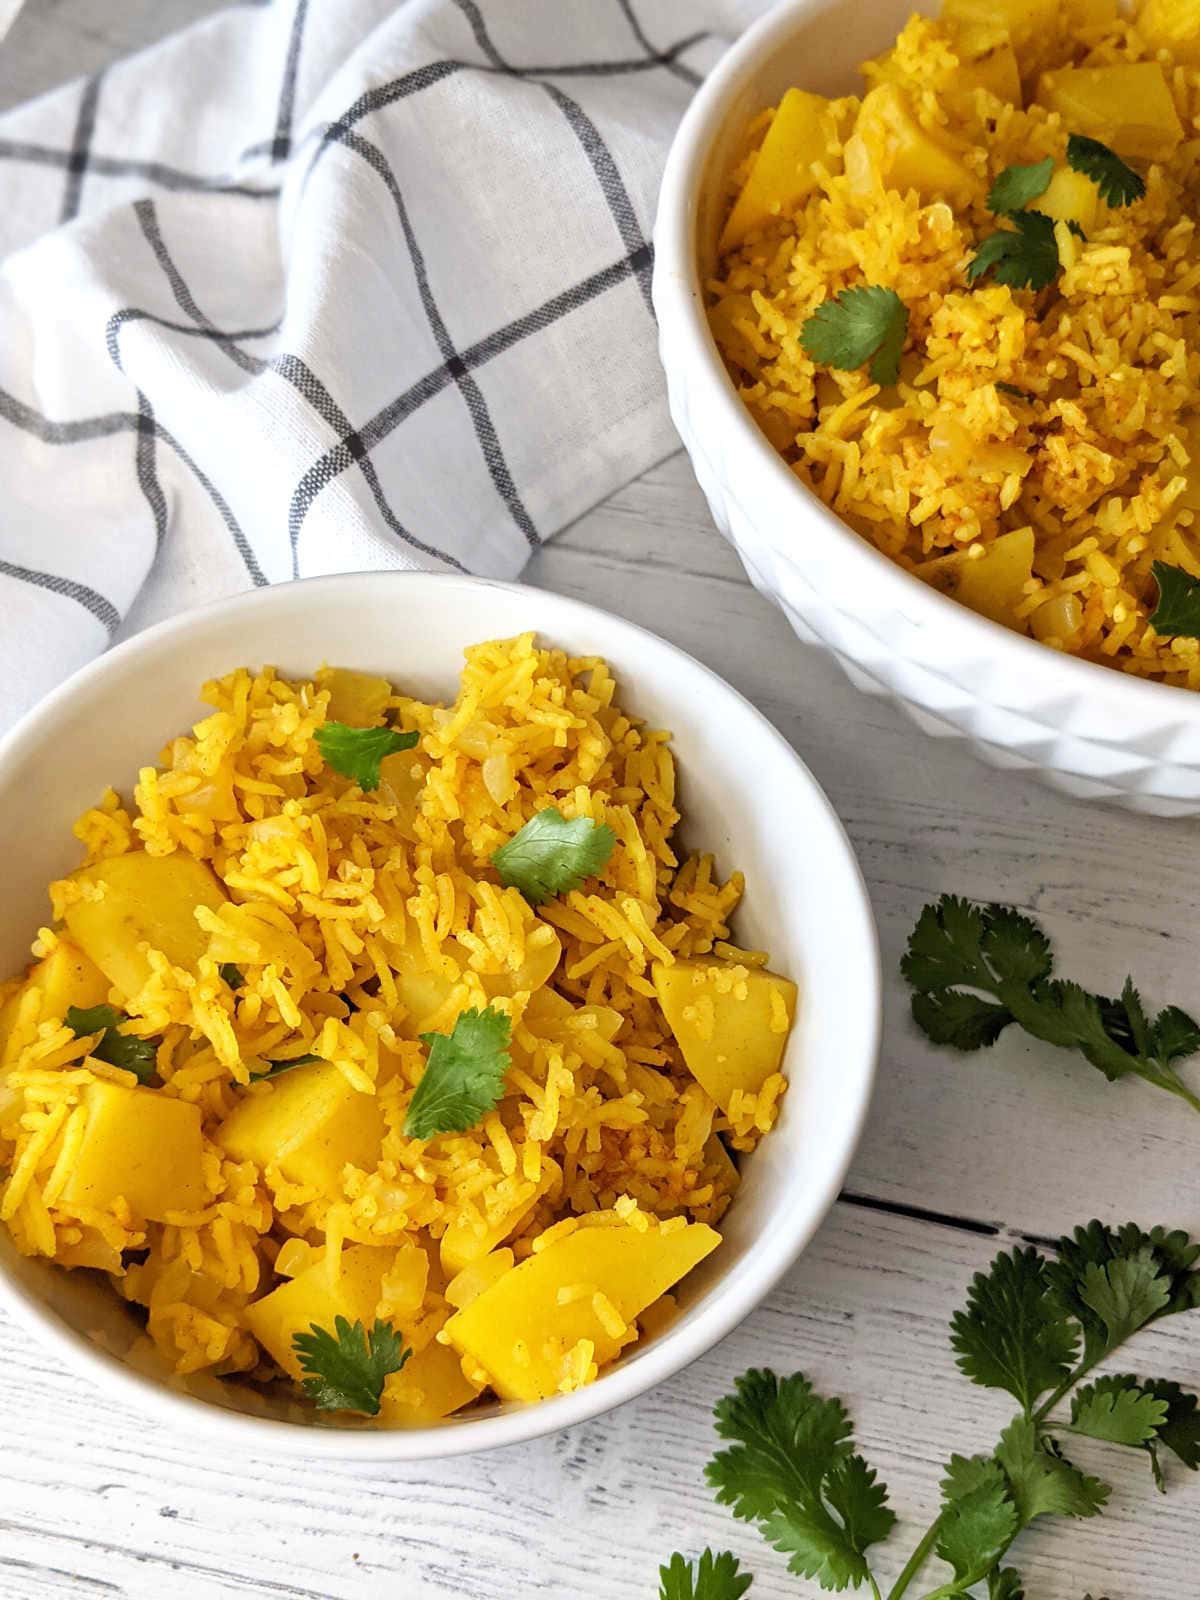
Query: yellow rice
x=1102 y=460
x=325 y=884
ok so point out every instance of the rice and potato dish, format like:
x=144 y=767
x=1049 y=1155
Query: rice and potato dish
x=965 y=308
x=387 y=1051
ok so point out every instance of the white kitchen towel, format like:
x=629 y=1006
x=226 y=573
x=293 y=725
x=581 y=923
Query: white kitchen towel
x=324 y=285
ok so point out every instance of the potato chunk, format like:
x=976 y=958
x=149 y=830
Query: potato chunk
x=62 y=979
x=309 y=1123
x=986 y=60
x=142 y=1144
x=904 y=155
x=355 y=698
x=781 y=174
x=731 y=1024
x=1070 y=197
x=1030 y=24
x=142 y=900
x=1172 y=25
x=522 y=1330
x=428 y=1386
x=1128 y=106
x=313 y=1298
x=461 y=1244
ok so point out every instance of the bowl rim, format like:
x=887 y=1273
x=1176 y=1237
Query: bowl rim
x=680 y=304
x=678 y=1347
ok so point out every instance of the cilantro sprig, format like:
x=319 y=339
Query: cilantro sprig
x=710 y=1578
x=551 y=856
x=345 y=1370
x=1024 y=256
x=1118 y=183
x=1178 y=609
x=1016 y=186
x=975 y=970
x=357 y=752
x=119 y=1049
x=1034 y=1325
x=463 y=1077
x=858 y=326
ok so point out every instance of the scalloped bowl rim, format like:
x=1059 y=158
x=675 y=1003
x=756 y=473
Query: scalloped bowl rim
x=726 y=1304
x=679 y=295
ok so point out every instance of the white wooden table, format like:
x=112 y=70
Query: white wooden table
x=961 y=1156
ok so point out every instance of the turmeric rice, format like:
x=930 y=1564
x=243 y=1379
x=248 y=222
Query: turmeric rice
x=1040 y=449
x=286 y=947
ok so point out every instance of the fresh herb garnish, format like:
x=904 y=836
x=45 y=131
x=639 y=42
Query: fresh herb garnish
x=231 y=975
x=345 y=1370
x=1178 y=608
x=275 y=1068
x=463 y=1077
x=857 y=326
x=1016 y=186
x=124 y=1050
x=1011 y=389
x=976 y=969
x=1032 y=1326
x=1024 y=256
x=357 y=752
x=550 y=855
x=1118 y=183
x=712 y=1578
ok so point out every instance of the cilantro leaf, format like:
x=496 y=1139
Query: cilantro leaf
x=975 y=969
x=1012 y=1333
x=978 y=1521
x=463 y=1077
x=119 y=1049
x=357 y=752
x=1179 y=1430
x=792 y=1469
x=1017 y=186
x=1118 y=1410
x=345 y=1370
x=712 y=1578
x=1024 y=256
x=1005 y=1584
x=551 y=856
x=276 y=1068
x=231 y=975
x=1178 y=609
x=1125 y=1294
x=1041 y=1480
x=1084 y=1287
x=859 y=325
x=1012 y=390
x=1118 y=184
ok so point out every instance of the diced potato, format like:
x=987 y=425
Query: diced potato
x=404 y=1285
x=521 y=1334
x=903 y=154
x=543 y=948
x=1070 y=197
x=355 y=698
x=716 y=1155
x=1128 y=106
x=461 y=1244
x=310 y=1123
x=782 y=172
x=428 y=1386
x=312 y=1298
x=1172 y=25
x=992 y=584
x=422 y=988
x=144 y=899
x=477 y=1276
x=986 y=61
x=732 y=1034
x=142 y=1144
x=63 y=979
x=1030 y=24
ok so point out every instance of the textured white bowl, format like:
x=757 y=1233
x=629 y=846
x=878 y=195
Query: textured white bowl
x=744 y=793
x=1085 y=729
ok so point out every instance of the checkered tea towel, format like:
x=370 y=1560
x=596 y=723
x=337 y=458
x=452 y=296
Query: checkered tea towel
x=323 y=285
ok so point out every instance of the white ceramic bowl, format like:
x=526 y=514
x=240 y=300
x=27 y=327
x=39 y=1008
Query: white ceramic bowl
x=1086 y=729
x=744 y=793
